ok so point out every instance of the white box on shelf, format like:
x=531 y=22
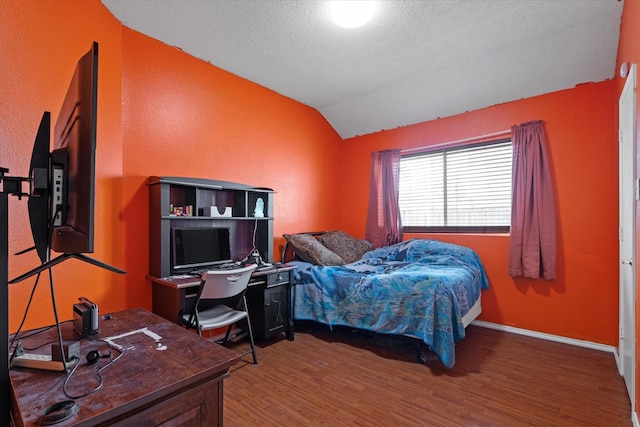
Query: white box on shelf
x=218 y=212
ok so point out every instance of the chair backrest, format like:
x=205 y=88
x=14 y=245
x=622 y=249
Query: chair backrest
x=220 y=284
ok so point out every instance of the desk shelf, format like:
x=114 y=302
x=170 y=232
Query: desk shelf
x=195 y=198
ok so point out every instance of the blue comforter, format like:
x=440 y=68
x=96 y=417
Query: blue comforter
x=420 y=288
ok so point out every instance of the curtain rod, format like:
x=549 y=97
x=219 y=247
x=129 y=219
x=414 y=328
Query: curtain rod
x=456 y=142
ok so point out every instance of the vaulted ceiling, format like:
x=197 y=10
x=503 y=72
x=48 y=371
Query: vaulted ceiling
x=414 y=61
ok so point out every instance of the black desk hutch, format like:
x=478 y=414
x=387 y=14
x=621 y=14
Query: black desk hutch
x=193 y=202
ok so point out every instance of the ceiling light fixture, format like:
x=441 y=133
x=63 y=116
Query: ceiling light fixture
x=352 y=14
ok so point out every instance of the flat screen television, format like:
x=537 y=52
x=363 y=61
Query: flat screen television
x=199 y=247
x=73 y=160
x=62 y=213
x=61 y=203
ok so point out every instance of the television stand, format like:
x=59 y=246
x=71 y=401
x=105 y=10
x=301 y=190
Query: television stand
x=13 y=186
x=57 y=260
x=10 y=185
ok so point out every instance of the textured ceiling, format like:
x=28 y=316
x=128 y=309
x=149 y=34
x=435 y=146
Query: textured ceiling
x=414 y=61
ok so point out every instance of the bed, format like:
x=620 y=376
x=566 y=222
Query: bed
x=424 y=289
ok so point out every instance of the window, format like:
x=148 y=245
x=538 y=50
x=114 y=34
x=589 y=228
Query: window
x=462 y=189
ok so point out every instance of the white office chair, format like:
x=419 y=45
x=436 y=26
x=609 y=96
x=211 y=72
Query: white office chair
x=221 y=303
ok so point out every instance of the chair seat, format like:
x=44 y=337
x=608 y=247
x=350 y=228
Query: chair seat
x=218 y=317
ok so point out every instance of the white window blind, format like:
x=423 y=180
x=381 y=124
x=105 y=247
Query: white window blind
x=468 y=187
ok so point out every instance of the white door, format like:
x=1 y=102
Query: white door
x=628 y=189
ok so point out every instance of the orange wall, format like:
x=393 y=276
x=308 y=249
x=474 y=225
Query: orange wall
x=185 y=117
x=629 y=51
x=40 y=44
x=582 y=137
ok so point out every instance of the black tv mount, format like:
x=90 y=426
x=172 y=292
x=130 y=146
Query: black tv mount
x=13 y=186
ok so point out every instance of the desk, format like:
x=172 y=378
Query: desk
x=268 y=299
x=166 y=376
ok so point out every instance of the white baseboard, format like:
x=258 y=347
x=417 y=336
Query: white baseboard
x=549 y=337
x=565 y=340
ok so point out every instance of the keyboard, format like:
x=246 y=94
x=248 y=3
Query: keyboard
x=217 y=267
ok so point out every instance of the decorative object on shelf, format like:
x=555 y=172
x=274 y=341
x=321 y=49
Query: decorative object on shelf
x=258 y=212
x=213 y=204
x=181 y=210
x=218 y=212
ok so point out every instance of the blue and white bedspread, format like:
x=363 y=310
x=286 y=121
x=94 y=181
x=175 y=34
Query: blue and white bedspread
x=420 y=288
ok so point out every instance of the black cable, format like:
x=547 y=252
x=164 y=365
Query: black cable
x=53 y=297
x=35 y=285
x=24 y=317
x=55 y=313
x=35 y=332
x=52 y=288
x=112 y=360
x=253 y=241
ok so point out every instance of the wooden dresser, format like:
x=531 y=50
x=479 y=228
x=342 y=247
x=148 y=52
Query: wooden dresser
x=166 y=376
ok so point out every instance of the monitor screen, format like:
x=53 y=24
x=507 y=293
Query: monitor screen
x=200 y=247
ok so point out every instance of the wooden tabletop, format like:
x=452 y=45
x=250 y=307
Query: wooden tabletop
x=159 y=358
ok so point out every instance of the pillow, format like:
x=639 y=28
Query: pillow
x=346 y=247
x=309 y=249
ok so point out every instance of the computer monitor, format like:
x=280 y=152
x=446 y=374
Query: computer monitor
x=73 y=161
x=199 y=247
x=61 y=203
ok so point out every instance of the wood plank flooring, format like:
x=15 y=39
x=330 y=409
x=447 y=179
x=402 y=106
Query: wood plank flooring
x=353 y=378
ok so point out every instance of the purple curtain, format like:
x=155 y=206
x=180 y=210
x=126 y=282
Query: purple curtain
x=532 y=247
x=383 y=217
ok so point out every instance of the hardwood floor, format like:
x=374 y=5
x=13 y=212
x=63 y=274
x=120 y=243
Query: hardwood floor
x=348 y=378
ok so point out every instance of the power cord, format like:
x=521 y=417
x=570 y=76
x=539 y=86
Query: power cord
x=24 y=317
x=33 y=290
x=254 y=253
x=92 y=357
x=55 y=313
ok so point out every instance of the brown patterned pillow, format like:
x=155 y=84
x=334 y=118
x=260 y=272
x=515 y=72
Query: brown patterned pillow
x=309 y=249
x=345 y=246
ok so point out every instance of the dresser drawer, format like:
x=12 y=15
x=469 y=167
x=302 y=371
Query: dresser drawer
x=278 y=278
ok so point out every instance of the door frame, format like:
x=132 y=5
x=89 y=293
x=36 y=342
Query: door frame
x=628 y=193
